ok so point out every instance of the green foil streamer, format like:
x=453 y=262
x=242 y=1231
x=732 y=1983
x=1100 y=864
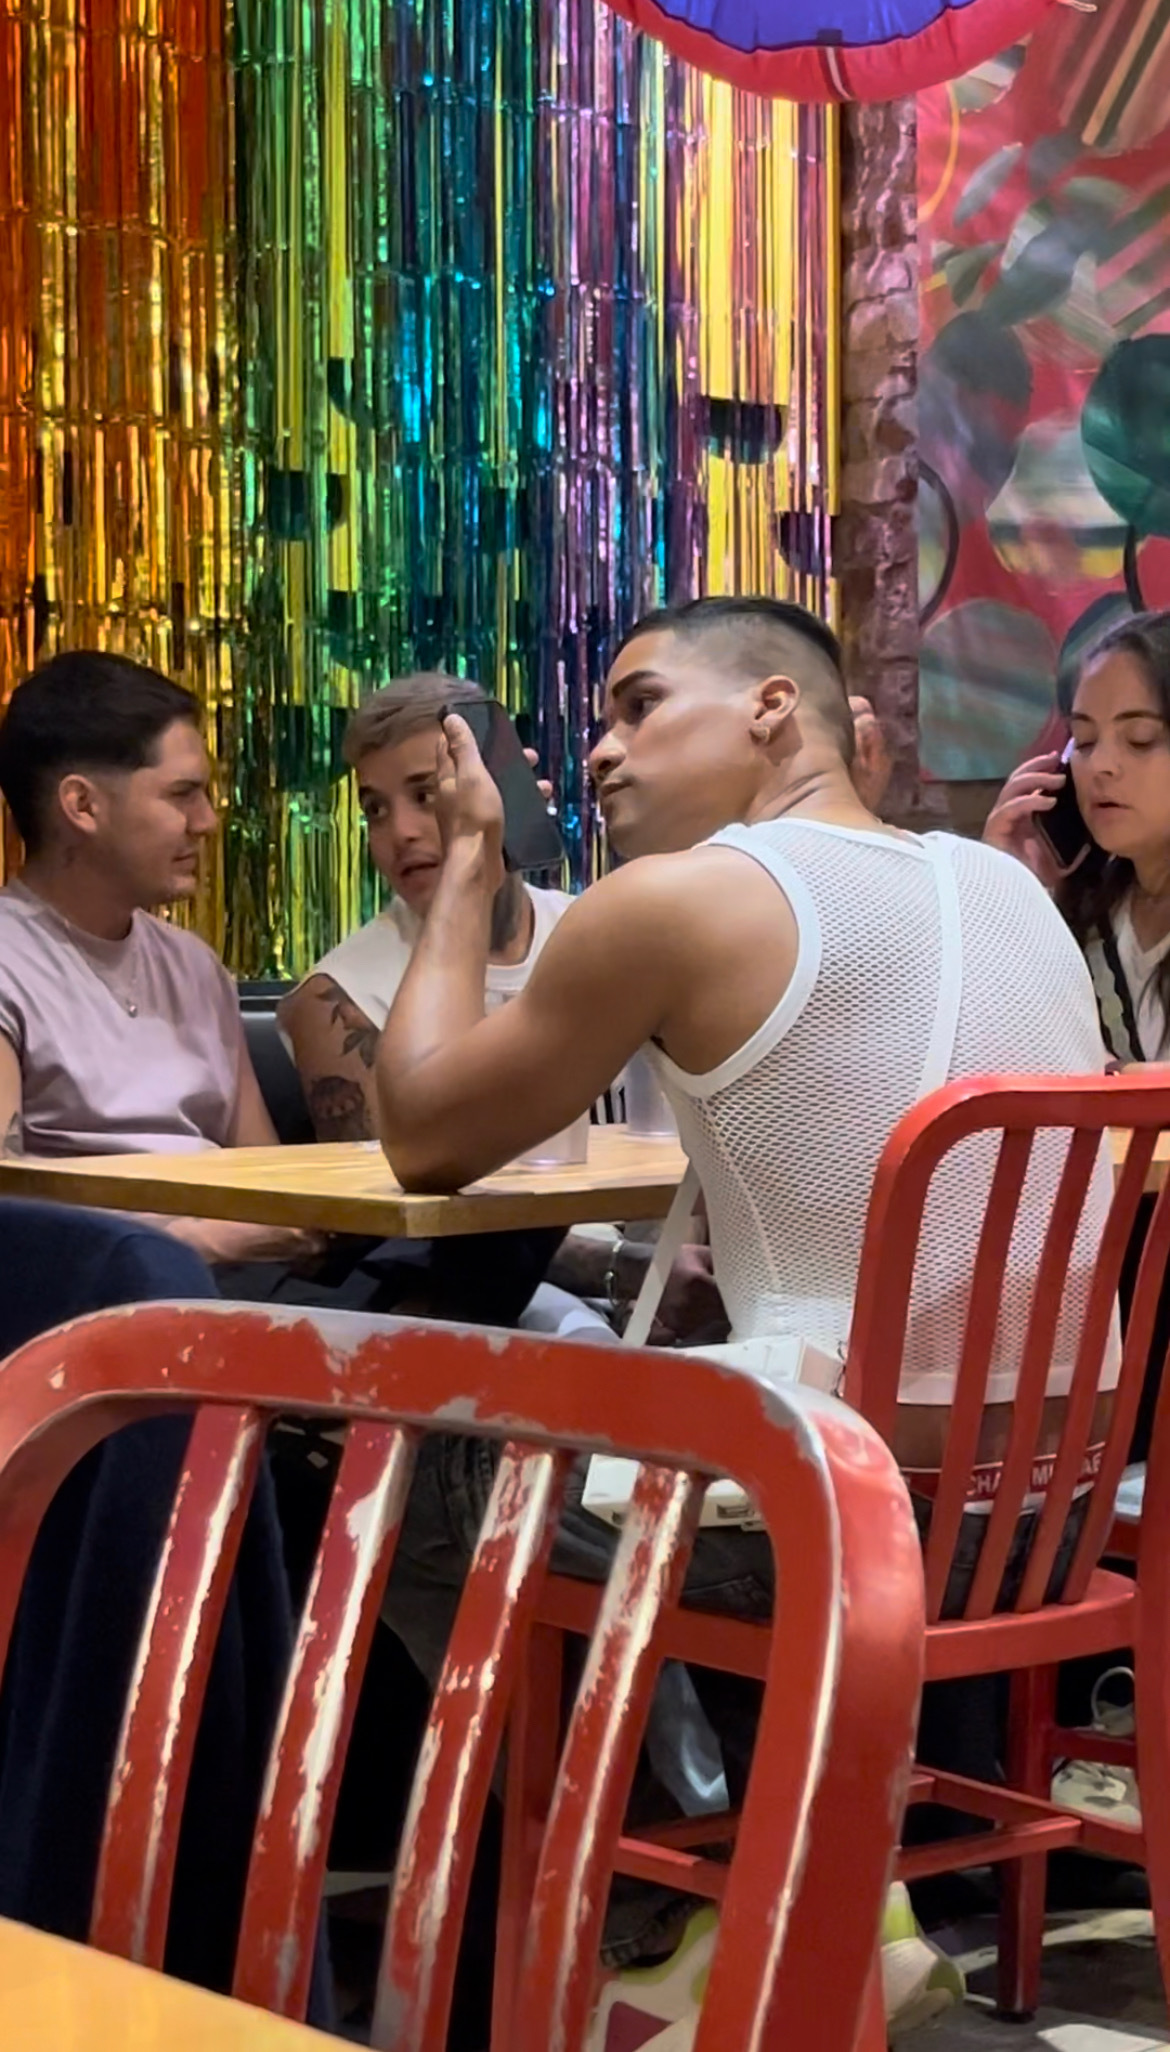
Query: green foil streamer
x=457 y=362
x=344 y=337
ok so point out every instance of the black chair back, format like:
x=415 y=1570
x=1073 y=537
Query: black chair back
x=280 y=1085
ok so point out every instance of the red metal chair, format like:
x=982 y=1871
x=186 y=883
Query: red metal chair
x=1098 y=1612
x=842 y=1667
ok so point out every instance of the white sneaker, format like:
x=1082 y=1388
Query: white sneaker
x=1089 y=1786
x=919 y=1981
x=656 y=2009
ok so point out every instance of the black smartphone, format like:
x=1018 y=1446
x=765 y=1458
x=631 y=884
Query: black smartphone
x=532 y=839
x=1063 y=825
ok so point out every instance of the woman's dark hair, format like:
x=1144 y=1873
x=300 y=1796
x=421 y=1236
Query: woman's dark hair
x=80 y=712
x=1090 y=896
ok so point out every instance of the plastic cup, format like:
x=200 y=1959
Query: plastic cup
x=648 y=1115
x=565 y=1150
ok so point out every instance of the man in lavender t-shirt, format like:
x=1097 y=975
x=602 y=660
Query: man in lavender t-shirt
x=118 y=1032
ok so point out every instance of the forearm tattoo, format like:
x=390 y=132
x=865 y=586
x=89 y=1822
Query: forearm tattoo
x=358 y=1035
x=338 y=1109
x=340 y=1106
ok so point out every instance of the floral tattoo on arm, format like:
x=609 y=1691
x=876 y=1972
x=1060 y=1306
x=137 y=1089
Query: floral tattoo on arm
x=340 y=1108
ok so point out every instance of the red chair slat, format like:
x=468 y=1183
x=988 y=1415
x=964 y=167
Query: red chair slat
x=286 y=1875
x=974 y=1366
x=1032 y=1388
x=1138 y=1343
x=601 y=1752
x=153 y=1762
x=1067 y=1473
x=459 y=1751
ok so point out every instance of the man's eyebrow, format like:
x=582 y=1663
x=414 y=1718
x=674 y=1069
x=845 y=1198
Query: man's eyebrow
x=627 y=683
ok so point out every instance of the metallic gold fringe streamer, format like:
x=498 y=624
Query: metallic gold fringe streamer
x=339 y=337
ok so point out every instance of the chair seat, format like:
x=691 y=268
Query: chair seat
x=1100 y=1623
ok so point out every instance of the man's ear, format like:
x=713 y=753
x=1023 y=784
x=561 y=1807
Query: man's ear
x=80 y=801
x=776 y=699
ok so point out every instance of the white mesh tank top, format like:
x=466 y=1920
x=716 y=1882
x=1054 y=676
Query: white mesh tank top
x=786 y=1134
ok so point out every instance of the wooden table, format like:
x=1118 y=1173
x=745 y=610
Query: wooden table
x=1158 y=1167
x=348 y=1188
x=57 y=1997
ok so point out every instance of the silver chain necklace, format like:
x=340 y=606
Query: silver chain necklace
x=128 y=997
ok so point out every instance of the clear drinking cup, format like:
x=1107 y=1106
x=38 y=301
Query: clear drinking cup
x=565 y=1150
x=648 y=1115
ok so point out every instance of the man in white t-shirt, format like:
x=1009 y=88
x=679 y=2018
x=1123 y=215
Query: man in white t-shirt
x=333 y=1018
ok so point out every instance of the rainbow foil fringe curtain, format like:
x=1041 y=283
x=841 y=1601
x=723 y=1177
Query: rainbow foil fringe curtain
x=344 y=337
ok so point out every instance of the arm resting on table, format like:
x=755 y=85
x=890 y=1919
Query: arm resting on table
x=461 y=1094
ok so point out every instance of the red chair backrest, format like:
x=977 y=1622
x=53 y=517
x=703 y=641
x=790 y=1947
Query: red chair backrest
x=1018 y=1110
x=840 y=1700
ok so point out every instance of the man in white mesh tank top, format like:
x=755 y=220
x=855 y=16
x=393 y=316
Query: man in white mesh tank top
x=801 y=973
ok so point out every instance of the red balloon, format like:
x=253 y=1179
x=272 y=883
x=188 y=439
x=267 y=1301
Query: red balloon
x=854 y=49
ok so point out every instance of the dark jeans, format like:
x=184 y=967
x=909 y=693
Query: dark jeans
x=731 y=1570
x=476 y=1279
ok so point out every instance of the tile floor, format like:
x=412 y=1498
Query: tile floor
x=1102 y=1991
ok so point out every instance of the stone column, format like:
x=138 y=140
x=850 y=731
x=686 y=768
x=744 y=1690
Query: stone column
x=876 y=548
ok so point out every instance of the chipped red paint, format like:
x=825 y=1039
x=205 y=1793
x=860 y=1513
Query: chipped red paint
x=287 y=1872
x=461 y=1747
x=141 y=1839
x=842 y=1667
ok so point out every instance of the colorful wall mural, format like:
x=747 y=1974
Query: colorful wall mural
x=1044 y=211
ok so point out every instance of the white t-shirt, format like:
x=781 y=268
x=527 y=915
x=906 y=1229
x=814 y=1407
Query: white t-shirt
x=371 y=964
x=1139 y=965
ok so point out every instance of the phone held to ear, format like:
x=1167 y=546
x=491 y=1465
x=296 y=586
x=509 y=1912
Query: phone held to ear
x=1063 y=825
x=532 y=839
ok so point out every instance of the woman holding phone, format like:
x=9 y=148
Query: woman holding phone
x=1094 y=825
x=1095 y=828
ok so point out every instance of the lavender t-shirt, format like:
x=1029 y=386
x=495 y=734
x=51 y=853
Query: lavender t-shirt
x=125 y=1047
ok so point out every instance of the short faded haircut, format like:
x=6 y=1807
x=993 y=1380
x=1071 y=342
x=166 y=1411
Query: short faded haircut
x=753 y=638
x=401 y=709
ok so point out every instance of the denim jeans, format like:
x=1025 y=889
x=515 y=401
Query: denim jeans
x=731 y=1572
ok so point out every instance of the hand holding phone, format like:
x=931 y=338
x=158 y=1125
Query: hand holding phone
x=1062 y=823
x=532 y=839
x=1035 y=794
x=469 y=805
